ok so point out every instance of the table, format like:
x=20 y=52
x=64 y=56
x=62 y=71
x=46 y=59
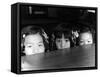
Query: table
x=80 y=56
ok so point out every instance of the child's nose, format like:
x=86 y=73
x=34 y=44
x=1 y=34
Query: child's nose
x=62 y=43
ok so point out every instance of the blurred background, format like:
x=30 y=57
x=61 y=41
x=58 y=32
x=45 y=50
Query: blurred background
x=49 y=17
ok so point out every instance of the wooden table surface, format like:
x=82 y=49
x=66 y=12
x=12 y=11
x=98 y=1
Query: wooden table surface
x=82 y=56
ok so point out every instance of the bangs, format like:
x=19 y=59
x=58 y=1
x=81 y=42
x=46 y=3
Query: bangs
x=67 y=34
x=58 y=34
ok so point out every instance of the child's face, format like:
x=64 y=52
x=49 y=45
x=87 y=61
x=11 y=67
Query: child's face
x=86 y=38
x=33 y=44
x=62 y=43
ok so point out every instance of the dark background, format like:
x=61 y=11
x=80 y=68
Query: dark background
x=52 y=16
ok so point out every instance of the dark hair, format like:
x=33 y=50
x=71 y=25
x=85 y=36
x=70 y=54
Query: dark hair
x=32 y=29
x=58 y=34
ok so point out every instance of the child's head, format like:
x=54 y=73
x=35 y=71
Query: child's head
x=86 y=36
x=62 y=36
x=62 y=39
x=33 y=44
x=33 y=40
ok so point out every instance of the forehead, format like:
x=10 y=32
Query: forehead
x=33 y=38
x=86 y=35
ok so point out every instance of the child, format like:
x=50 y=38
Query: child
x=62 y=37
x=34 y=41
x=86 y=36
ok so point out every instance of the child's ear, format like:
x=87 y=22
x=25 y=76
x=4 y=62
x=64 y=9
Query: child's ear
x=22 y=49
x=22 y=45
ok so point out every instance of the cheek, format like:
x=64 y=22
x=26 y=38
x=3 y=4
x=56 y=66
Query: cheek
x=58 y=44
x=81 y=43
x=67 y=44
x=28 y=51
x=41 y=49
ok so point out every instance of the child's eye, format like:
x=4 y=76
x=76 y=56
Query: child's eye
x=89 y=41
x=81 y=41
x=67 y=40
x=58 y=40
x=40 y=45
x=29 y=46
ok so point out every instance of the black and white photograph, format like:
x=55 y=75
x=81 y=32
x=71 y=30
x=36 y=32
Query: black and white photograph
x=53 y=38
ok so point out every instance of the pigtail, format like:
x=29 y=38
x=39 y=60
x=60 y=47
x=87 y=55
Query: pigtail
x=45 y=35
